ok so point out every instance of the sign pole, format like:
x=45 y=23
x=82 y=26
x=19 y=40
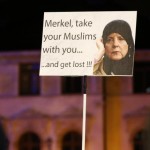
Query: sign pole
x=84 y=112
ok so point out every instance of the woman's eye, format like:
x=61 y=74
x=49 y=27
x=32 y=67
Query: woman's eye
x=121 y=38
x=109 y=39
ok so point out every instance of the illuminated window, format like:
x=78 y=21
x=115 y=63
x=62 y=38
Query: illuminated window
x=29 y=79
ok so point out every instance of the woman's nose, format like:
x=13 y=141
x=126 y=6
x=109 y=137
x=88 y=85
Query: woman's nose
x=116 y=42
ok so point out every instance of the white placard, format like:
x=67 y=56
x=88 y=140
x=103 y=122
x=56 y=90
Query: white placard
x=69 y=40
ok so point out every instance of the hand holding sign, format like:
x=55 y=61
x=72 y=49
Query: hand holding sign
x=100 y=50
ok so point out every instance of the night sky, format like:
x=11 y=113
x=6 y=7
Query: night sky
x=21 y=21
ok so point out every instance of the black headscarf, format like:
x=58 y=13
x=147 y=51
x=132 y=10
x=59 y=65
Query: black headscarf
x=123 y=66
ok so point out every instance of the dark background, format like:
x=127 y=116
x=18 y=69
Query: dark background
x=21 y=22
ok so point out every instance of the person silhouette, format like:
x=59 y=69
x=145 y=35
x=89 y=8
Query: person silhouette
x=3 y=139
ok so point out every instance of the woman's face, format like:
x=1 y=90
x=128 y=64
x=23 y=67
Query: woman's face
x=116 y=46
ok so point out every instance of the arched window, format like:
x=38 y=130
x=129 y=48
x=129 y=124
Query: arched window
x=72 y=141
x=138 y=141
x=29 y=141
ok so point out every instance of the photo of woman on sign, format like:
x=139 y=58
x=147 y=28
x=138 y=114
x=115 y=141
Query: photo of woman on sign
x=116 y=50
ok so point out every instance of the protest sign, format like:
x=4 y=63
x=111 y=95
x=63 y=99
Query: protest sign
x=69 y=41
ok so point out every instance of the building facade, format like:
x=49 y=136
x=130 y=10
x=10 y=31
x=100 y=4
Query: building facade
x=45 y=113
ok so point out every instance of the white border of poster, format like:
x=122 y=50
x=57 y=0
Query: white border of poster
x=70 y=41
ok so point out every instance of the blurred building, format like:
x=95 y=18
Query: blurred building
x=45 y=113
